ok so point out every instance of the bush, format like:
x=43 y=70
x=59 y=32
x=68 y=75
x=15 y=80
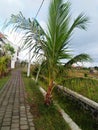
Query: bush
x=85 y=75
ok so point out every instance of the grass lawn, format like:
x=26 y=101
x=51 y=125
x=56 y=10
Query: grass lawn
x=3 y=81
x=45 y=118
x=85 y=86
x=81 y=81
x=82 y=118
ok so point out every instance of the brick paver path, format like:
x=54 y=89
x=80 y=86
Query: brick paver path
x=14 y=111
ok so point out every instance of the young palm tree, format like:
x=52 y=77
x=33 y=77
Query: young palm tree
x=53 y=44
x=55 y=47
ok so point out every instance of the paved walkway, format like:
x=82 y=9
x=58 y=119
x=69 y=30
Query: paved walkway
x=14 y=111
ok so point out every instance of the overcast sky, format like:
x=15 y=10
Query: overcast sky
x=82 y=41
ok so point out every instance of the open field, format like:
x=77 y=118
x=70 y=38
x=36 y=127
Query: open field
x=85 y=86
x=81 y=81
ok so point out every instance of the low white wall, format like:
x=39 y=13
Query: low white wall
x=84 y=102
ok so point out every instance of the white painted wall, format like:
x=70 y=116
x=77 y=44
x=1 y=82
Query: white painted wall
x=14 y=58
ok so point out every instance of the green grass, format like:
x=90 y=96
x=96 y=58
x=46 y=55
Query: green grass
x=45 y=118
x=85 y=86
x=81 y=117
x=3 y=81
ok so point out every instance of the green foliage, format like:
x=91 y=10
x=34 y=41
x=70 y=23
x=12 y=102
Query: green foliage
x=9 y=48
x=85 y=75
x=3 y=81
x=24 y=63
x=34 y=69
x=96 y=67
x=53 y=44
x=30 y=28
x=85 y=86
x=57 y=37
x=4 y=65
x=79 y=58
x=81 y=117
x=45 y=118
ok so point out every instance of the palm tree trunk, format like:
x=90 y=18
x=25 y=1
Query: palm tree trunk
x=48 y=98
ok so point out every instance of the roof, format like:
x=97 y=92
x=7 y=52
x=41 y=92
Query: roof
x=1 y=35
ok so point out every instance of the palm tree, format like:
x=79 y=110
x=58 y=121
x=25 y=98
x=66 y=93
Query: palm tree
x=52 y=45
x=59 y=32
x=31 y=30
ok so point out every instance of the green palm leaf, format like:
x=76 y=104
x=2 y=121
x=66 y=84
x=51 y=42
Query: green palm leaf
x=79 y=58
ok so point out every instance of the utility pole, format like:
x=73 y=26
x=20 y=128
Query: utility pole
x=38 y=73
x=29 y=63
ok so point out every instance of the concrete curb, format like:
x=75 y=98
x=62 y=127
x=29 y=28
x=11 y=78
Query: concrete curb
x=86 y=100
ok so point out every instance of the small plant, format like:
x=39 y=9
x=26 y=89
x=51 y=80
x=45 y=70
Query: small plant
x=85 y=75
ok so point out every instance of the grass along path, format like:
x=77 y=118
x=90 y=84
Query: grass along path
x=66 y=117
x=45 y=118
x=3 y=81
x=79 y=116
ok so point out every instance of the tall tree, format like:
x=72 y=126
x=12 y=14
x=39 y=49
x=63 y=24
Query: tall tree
x=9 y=49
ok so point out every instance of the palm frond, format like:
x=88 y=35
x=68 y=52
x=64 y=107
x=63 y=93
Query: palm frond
x=29 y=27
x=57 y=27
x=79 y=58
x=80 y=22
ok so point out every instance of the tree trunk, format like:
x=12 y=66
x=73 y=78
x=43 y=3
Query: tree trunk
x=48 y=98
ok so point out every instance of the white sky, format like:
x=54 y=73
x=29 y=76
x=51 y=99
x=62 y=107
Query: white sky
x=82 y=41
